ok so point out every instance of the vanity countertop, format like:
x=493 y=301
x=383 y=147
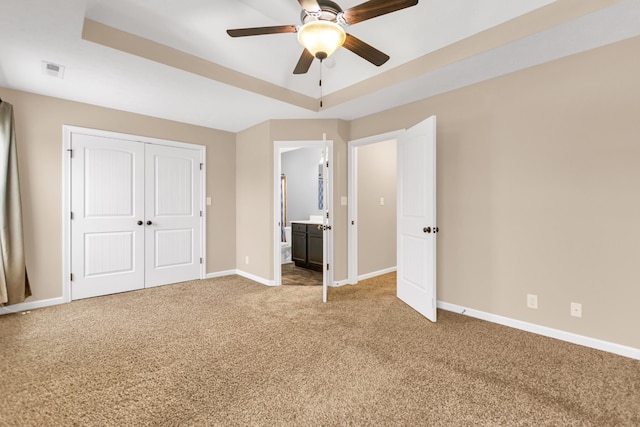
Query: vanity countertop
x=307 y=221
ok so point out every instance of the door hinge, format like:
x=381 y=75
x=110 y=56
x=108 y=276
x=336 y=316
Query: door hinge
x=201 y=166
x=200 y=260
x=200 y=213
x=327 y=267
x=70 y=153
x=327 y=163
x=71 y=277
x=327 y=215
x=71 y=215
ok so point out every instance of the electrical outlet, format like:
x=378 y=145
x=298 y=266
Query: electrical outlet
x=246 y=260
x=576 y=309
x=532 y=301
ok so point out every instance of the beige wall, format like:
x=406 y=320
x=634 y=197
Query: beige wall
x=538 y=191
x=376 y=222
x=254 y=201
x=254 y=164
x=39 y=122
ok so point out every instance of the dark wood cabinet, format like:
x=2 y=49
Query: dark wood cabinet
x=306 y=245
x=299 y=244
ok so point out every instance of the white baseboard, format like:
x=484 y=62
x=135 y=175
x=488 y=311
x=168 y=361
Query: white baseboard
x=244 y=274
x=339 y=283
x=220 y=274
x=377 y=273
x=633 y=353
x=260 y=280
x=26 y=306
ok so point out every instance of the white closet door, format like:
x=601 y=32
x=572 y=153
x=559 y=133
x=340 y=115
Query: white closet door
x=172 y=210
x=107 y=202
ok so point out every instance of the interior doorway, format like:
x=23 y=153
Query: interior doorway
x=416 y=214
x=303 y=243
x=372 y=181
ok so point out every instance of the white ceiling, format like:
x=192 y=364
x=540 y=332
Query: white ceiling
x=32 y=31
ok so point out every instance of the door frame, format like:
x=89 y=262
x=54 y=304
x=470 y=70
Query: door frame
x=278 y=146
x=67 y=132
x=352 y=188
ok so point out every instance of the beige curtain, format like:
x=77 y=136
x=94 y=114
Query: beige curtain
x=14 y=283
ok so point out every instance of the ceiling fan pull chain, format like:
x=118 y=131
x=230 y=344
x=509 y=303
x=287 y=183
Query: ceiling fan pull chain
x=321 y=83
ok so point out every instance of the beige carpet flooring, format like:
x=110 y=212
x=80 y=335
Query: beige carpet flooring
x=230 y=352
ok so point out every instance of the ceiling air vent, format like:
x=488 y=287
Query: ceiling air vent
x=53 y=70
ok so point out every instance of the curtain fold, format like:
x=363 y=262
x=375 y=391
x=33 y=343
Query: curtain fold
x=14 y=283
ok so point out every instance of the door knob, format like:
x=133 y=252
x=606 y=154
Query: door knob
x=139 y=222
x=427 y=229
x=149 y=223
x=319 y=227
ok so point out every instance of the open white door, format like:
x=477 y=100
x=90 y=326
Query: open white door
x=417 y=218
x=327 y=219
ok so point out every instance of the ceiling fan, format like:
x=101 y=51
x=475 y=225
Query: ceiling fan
x=322 y=29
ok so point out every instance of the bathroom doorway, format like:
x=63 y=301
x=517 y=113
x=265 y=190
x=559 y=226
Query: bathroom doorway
x=302 y=199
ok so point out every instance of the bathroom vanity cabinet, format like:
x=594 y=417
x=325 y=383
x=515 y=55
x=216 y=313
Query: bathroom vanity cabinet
x=306 y=245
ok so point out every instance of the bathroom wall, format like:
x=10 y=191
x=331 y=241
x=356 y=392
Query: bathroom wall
x=301 y=169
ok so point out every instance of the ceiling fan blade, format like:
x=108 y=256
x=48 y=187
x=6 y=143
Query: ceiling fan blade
x=310 y=5
x=374 y=8
x=304 y=62
x=365 y=51
x=258 y=31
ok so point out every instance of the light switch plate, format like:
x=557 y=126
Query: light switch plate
x=532 y=301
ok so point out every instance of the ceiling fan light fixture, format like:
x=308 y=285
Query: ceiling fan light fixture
x=321 y=38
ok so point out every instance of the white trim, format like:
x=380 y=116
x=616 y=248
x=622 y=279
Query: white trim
x=203 y=208
x=26 y=306
x=260 y=280
x=66 y=212
x=633 y=353
x=67 y=132
x=352 y=191
x=221 y=274
x=377 y=273
x=341 y=283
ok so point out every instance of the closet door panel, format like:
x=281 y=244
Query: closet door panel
x=107 y=244
x=173 y=221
